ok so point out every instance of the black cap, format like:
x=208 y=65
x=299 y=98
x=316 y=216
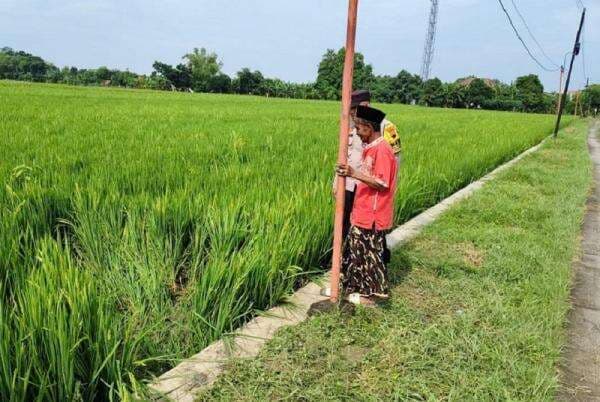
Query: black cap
x=370 y=114
x=360 y=95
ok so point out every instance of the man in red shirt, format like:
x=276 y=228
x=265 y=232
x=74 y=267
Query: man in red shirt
x=364 y=274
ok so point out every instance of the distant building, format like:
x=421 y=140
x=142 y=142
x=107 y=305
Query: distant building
x=465 y=82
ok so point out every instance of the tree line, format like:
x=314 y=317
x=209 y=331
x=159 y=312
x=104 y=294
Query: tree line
x=201 y=71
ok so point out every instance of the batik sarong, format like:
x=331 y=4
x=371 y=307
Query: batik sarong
x=363 y=268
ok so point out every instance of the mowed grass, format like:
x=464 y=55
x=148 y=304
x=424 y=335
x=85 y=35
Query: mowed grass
x=136 y=227
x=477 y=310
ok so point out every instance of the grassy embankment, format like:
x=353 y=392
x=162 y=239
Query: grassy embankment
x=477 y=309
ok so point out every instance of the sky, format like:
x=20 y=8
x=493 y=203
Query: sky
x=286 y=39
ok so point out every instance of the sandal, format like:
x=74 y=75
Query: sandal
x=357 y=299
x=326 y=292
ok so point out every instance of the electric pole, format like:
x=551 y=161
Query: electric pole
x=562 y=72
x=576 y=48
x=587 y=84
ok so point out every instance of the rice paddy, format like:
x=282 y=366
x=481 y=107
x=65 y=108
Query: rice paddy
x=136 y=227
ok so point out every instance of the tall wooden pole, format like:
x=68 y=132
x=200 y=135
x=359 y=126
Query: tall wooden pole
x=576 y=49
x=587 y=85
x=562 y=72
x=343 y=149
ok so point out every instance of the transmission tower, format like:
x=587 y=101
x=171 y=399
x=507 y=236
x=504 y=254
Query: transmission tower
x=429 y=41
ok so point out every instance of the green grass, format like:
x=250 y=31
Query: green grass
x=136 y=227
x=477 y=309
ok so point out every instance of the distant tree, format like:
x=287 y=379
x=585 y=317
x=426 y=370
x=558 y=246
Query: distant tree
x=303 y=91
x=6 y=69
x=591 y=99
x=165 y=70
x=202 y=72
x=248 y=82
x=87 y=77
x=204 y=67
x=156 y=81
x=124 y=79
x=455 y=95
x=54 y=75
x=506 y=92
x=529 y=84
x=19 y=65
x=433 y=93
x=66 y=76
x=329 y=76
x=531 y=93
x=408 y=87
x=220 y=83
x=103 y=73
x=506 y=97
x=383 y=89
x=180 y=77
x=274 y=87
x=478 y=92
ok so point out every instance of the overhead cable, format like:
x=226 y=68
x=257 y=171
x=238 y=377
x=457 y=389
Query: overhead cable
x=543 y=67
x=532 y=35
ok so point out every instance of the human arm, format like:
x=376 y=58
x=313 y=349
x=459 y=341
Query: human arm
x=349 y=171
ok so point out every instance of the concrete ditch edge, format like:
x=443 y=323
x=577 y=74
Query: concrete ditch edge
x=184 y=381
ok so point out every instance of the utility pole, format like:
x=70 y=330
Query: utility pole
x=587 y=84
x=576 y=48
x=562 y=72
x=336 y=259
x=576 y=103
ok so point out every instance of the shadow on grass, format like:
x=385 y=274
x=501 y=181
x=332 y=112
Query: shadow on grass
x=400 y=266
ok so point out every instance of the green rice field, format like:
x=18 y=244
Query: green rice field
x=136 y=227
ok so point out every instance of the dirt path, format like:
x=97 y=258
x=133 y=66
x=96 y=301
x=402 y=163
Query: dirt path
x=581 y=367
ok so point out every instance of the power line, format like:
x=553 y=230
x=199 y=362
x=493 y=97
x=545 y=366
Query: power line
x=531 y=34
x=580 y=4
x=522 y=41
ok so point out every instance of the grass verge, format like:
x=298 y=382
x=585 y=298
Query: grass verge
x=479 y=301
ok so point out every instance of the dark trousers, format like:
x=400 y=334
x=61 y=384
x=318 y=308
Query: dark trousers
x=348 y=204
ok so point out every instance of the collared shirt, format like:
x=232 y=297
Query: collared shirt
x=373 y=208
x=355 y=149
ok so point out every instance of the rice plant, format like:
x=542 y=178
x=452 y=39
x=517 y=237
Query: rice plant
x=136 y=227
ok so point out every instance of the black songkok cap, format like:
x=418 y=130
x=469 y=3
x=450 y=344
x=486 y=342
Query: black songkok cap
x=370 y=114
x=360 y=95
